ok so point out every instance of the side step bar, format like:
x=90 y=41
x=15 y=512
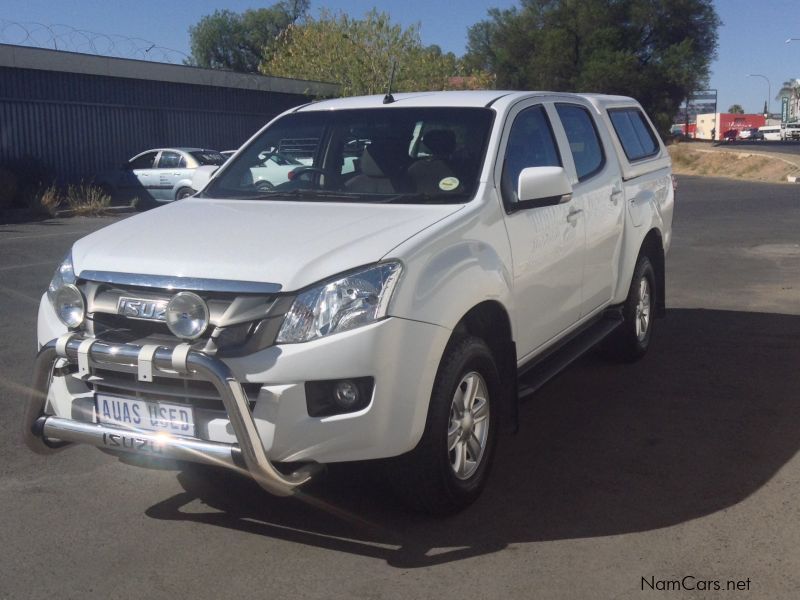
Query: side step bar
x=543 y=368
x=45 y=434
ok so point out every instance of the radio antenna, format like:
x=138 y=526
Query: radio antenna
x=388 y=98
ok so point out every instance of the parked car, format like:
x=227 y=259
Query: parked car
x=731 y=135
x=752 y=134
x=274 y=168
x=378 y=306
x=791 y=131
x=158 y=175
x=771 y=133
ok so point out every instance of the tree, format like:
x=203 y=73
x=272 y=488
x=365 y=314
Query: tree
x=658 y=51
x=736 y=109
x=358 y=55
x=241 y=41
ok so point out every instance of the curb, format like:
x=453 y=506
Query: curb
x=108 y=211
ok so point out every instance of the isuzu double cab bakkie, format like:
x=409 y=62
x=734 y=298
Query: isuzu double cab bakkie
x=378 y=303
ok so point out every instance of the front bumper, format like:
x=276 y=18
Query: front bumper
x=46 y=434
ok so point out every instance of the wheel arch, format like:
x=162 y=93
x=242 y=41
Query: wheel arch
x=489 y=320
x=183 y=183
x=653 y=247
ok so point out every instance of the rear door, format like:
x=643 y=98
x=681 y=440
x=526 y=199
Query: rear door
x=171 y=169
x=598 y=186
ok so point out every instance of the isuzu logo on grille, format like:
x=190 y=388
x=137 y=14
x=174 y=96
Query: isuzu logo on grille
x=140 y=308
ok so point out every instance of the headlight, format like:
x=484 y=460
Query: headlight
x=187 y=315
x=66 y=299
x=350 y=301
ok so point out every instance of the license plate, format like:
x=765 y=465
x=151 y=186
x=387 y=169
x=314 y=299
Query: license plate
x=177 y=419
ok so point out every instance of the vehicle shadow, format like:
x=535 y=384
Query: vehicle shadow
x=702 y=422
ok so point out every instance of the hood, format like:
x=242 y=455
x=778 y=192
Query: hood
x=293 y=244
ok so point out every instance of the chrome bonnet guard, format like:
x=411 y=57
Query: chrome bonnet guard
x=45 y=434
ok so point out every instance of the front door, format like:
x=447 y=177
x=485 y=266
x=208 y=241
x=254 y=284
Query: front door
x=547 y=243
x=138 y=180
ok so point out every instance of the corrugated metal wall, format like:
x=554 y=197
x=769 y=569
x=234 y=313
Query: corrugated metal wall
x=79 y=125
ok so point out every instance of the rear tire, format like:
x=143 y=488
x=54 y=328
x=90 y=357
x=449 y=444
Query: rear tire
x=184 y=192
x=264 y=186
x=448 y=469
x=629 y=342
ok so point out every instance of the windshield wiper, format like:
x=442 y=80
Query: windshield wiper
x=307 y=195
x=423 y=198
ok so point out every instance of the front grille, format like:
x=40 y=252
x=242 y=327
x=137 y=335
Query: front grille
x=239 y=324
x=200 y=394
x=105 y=323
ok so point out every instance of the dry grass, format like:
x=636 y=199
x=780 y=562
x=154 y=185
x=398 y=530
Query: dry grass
x=86 y=199
x=687 y=160
x=45 y=200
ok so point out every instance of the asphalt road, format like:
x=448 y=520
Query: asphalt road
x=682 y=465
x=780 y=147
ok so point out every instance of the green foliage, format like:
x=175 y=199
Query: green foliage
x=241 y=41
x=358 y=53
x=658 y=51
x=736 y=109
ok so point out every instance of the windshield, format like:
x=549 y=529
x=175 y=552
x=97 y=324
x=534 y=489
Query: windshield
x=399 y=155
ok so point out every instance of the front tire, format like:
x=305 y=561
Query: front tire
x=629 y=342
x=448 y=469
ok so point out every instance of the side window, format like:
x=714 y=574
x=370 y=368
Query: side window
x=530 y=144
x=584 y=142
x=634 y=133
x=145 y=161
x=169 y=160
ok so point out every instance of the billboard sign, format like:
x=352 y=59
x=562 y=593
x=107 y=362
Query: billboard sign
x=784 y=109
x=699 y=103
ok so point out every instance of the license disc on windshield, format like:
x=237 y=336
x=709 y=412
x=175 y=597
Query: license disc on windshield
x=130 y=413
x=448 y=184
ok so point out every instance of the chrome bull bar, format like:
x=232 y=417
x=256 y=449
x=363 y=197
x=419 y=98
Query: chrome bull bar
x=46 y=434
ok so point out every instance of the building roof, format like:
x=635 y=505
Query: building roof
x=24 y=57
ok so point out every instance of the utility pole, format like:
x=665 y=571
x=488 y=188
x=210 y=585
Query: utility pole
x=769 y=86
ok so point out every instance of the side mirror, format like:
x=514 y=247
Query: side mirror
x=202 y=175
x=543 y=186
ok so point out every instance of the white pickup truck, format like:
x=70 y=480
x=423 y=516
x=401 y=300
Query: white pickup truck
x=381 y=304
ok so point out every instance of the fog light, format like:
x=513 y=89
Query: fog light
x=346 y=394
x=338 y=396
x=69 y=305
x=187 y=315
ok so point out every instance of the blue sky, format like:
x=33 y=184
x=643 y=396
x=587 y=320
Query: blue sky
x=752 y=39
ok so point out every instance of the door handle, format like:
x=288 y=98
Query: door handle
x=572 y=215
x=615 y=194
